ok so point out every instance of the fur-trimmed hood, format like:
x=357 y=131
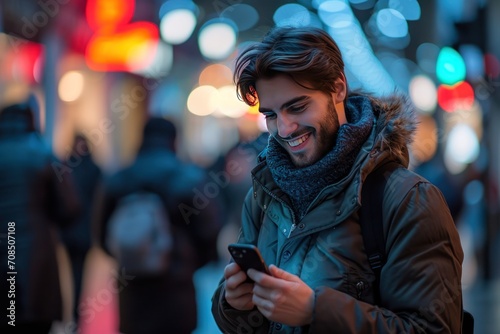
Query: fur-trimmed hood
x=396 y=125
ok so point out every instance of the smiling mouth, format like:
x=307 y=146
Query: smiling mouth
x=298 y=141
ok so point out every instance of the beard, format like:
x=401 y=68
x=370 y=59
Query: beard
x=325 y=137
x=328 y=131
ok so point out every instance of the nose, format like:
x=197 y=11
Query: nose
x=286 y=125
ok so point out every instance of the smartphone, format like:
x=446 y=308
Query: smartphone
x=248 y=256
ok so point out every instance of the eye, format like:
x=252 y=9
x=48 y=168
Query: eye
x=297 y=108
x=269 y=115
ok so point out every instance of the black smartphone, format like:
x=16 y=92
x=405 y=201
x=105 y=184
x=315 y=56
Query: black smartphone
x=248 y=256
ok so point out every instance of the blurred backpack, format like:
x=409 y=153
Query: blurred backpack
x=140 y=234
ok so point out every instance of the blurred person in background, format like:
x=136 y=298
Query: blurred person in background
x=77 y=238
x=35 y=201
x=237 y=164
x=452 y=186
x=164 y=302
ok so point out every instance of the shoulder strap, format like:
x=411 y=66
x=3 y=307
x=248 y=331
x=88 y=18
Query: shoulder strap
x=467 y=323
x=371 y=218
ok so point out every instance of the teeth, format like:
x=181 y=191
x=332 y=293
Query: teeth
x=298 y=141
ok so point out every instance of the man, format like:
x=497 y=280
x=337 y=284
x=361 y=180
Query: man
x=165 y=301
x=303 y=209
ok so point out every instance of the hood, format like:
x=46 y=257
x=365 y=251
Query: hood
x=158 y=133
x=15 y=120
x=396 y=125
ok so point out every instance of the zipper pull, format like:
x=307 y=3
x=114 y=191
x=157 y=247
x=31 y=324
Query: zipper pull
x=360 y=287
x=291 y=230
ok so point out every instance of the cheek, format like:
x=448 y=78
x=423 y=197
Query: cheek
x=271 y=125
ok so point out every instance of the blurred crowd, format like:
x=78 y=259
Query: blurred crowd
x=66 y=204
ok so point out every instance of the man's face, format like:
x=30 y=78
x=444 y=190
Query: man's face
x=303 y=121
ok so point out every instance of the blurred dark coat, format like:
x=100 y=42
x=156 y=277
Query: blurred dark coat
x=38 y=198
x=165 y=303
x=78 y=237
x=87 y=176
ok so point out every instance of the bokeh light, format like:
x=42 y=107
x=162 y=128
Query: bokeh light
x=410 y=9
x=425 y=142
x=423 y=93
x=292 y=14
x=473 y=60
x=335 y=14
x=391 y=23
x=244 y=15
x=472 y=117
x=159 y=66
x=462 y=148
x=202 y=100
x=228 y=103
x=216 y=75
x=217 y=39
x=177 y=26
x=450 y=66
x=109 y=13
x=458 y=96
x=427 y=55
x=71 y=86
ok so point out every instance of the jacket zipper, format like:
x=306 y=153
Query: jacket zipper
x=291 y=229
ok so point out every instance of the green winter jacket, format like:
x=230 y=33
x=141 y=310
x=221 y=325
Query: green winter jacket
x=420 y=284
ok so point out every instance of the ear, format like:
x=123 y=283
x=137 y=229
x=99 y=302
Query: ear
x=340 y=89
x=339 y=97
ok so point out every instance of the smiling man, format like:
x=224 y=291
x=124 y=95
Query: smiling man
x=306 y=136
x=303 y=211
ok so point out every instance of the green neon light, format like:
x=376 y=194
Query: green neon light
x=450 y=66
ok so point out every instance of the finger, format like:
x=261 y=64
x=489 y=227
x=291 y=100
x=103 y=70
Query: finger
x=262 y=292
x=232 y=282
x=282 y=274
x=264 y=305
x=264 y=283
x=240 y=291
x=231 y=269
x=256 y=276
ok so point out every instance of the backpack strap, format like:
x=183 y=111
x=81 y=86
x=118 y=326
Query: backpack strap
x=371 y=217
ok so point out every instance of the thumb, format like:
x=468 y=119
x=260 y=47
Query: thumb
x=280 y=273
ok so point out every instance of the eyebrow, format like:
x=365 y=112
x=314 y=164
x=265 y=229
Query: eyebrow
x=287 y=104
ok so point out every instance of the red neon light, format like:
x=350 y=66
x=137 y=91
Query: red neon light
x=117 y=51
x=117 y=44
x=109 y=13
x=20 y=63
x=458 y=96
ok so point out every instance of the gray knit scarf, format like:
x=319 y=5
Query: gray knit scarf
x=303 y=184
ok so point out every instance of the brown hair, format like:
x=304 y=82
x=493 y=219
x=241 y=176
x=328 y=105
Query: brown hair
x=307 y=54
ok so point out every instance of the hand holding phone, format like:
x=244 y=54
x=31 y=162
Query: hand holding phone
x=248 y=256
